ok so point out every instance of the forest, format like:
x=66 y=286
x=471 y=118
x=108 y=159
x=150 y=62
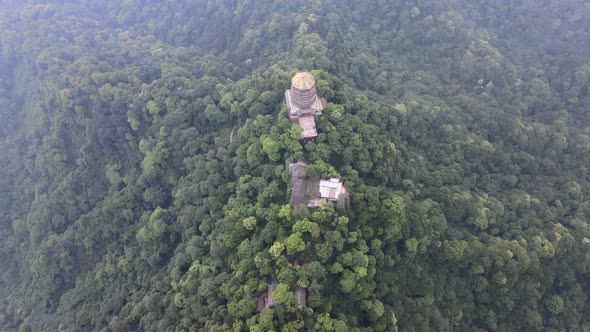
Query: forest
x=144 y=152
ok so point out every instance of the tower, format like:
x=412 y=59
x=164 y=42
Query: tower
x=304 y=103
x=303 y=92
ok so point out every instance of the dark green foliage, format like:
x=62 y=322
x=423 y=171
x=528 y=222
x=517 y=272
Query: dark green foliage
x=144 y=150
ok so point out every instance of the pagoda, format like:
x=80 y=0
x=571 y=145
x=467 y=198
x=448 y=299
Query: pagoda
x=304 y=103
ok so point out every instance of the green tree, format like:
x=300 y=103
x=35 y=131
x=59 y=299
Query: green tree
x=294 y=243
x=555 y=304
x=271 y=148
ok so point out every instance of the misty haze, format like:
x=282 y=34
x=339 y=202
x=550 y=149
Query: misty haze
x=294 y=165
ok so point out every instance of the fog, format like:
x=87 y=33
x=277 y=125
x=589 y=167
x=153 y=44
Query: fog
x=307 y=165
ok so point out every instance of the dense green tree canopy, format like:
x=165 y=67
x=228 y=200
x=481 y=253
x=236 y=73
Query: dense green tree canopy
x=144 y=151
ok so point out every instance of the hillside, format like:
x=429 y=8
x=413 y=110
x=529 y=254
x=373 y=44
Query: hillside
x=145 y=145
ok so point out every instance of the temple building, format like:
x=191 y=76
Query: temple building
x=311 y=191
x=301 y=296
x=304 y=103
x=267 y=300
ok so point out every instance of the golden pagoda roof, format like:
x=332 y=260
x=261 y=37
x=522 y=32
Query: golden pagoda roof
x=303 y=81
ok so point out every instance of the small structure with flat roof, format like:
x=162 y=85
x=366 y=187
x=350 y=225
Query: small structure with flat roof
x=333 y=190
x=301 y=296
x=304 y=103
x=270 y=300
x=267 y=300
x=311 y=191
